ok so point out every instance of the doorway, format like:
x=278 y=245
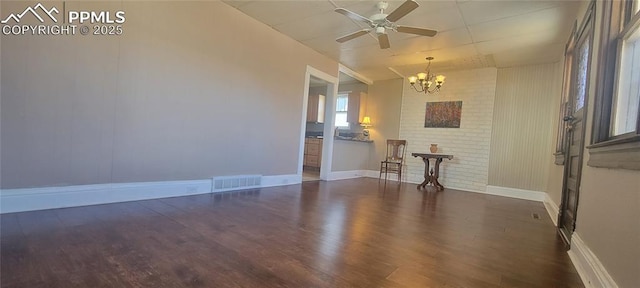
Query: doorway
x=314 y=129
x=316 y=139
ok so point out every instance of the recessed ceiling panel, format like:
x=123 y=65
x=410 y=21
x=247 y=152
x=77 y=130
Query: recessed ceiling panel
x=476 y=12
x=445 y=39
x=273 y=13
x=440 y=20
x=365 y=57
x=544 y=20
x=471 y=62
x=530 y=56
x=328 y=23
x=400 y=62
x=523 y=41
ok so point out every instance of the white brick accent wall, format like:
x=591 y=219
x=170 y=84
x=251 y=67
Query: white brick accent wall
x=469 y=144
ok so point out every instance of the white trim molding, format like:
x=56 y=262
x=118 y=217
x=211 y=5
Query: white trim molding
x=30 y=199
x=371 y=173
x=516 y=193
x=281 y=180
x=392 y=177
x=589 y=267
x=552 y=208
x=341 y=175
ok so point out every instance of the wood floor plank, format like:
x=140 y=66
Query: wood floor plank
x=10 y=226
x=350 y=233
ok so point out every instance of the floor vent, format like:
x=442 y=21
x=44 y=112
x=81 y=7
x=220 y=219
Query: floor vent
x=535 y=216
x=236 y=182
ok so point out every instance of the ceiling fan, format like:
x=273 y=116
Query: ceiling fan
x=382 y=22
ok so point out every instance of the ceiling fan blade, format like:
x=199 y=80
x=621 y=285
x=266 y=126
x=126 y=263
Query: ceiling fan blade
x=416 y=30
x=403 y=10
x=352 y=35
x=383 y=40
x=353 y=15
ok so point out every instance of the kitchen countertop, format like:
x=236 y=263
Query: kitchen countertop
x=352 y=139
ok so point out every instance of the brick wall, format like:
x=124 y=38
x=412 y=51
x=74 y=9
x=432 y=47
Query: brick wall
x=469 y=144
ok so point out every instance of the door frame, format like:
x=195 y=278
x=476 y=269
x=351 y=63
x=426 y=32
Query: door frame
x=329 y=118
x=585 y=33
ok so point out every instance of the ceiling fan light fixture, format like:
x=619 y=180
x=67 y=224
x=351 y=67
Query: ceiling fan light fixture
x=381 y=22
x=424 y=81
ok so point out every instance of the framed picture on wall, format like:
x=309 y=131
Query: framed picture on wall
x=443 y=114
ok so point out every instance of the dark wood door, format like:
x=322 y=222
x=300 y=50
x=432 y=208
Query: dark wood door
x=575 y=134
x=572 y=173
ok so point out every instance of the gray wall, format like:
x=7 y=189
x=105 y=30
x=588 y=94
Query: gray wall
x=351 y=155
x=383 y=106
x=202 y=95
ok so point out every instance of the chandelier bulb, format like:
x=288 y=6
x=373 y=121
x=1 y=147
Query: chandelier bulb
x=426 y=80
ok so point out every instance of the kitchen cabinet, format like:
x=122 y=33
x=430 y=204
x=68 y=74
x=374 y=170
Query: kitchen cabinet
x=312 y=152
x=357 y=107
x=315 y=108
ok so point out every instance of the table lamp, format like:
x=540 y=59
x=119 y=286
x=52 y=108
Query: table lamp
x=366 y=123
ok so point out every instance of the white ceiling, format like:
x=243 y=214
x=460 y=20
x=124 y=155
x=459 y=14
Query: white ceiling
x=471 y=34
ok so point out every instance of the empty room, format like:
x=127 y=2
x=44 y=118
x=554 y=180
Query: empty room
x=320 y=143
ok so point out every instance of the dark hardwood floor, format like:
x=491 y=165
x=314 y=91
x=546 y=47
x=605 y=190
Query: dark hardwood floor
x=351 y=233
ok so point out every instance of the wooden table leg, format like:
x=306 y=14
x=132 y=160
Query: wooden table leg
x=426 y=174
x=437 y=173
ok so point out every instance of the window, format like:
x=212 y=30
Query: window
x=342 y=109
x=582 y=57
x=628 y=88
x=616 y=138
x=564 y=101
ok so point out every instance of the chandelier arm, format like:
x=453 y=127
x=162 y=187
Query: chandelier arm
x=427 y=80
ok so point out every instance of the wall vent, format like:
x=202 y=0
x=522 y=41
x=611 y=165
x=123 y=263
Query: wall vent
x=235 y=182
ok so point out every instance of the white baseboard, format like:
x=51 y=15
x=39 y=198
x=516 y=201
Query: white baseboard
x=516 y=193
x=341 y=175
x=281 y=180
x=371 y=173
x=30 y=199
x=465 y=189
x=590 y=269
x=552 y=208
x=393 y=177
x=491 y=190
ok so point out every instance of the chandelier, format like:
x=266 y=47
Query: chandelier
x=426 y=81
